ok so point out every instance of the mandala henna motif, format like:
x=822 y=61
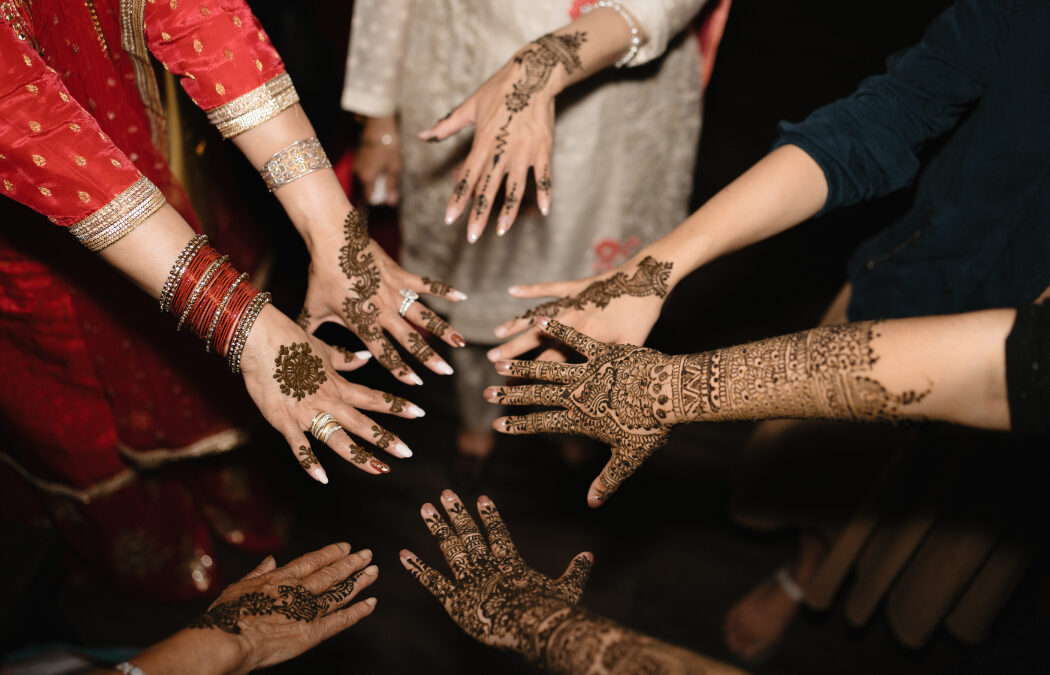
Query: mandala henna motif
x=650 y=279
x=298 y=372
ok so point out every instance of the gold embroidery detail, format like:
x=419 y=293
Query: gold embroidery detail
x=34 y=126
x=25 y=57
x=39 y=160
x=174 y=4
x=62 y=95
x=227 y=53
x=197 y=46
x=122 y=215
x=74 y=127
x=98 y=27
x=261 y=36
x=115 y=163
x=219 y=89
x=257 y=106
x=133 y=40
x=8 y=185
x=258 y=65
x=84 y=197
x=164 y=35
x=237 y=21
x=205 y=11
x=79 y=160
x=32 y=89
x=44 y=191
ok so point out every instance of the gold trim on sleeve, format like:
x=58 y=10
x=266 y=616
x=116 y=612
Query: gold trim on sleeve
x=257 y=106
x=122 y=215
x=133 y=40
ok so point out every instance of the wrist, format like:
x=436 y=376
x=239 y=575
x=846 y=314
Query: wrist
x=268 y=330
x=209 y=652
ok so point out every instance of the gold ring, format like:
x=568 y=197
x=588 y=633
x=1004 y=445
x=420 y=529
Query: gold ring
x=321 y=419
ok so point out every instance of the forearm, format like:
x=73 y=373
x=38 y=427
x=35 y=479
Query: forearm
x=603 y=37
x=146 y=254
x=315 y=203
x=949 y=368
x=583 y=643
x=202 y=652
x=782 y=190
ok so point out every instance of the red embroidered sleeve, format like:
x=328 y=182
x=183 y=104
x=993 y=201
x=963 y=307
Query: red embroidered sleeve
x=227 y=64
x=55 y=159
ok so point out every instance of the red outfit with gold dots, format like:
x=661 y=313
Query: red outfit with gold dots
x=96 y=386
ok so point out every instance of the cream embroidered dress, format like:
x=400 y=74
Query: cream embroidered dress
x=624 y=149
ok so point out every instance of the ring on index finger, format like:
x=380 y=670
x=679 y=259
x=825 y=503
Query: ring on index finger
x=409 y=296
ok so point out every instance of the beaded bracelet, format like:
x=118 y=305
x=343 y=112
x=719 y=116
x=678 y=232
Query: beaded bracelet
x=195 y=294
x=218 y=312
x=179 y=268
x=636 y=42
x=244 y=326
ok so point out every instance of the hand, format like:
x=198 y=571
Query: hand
x=353 y=282
x=493 y=596
x=378 y=161
x=513 y=116
x=291 y=377
x=618 y=307
x=623 y=395
x=276 y=613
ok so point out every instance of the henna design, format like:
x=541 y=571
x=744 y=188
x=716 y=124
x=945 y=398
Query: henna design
x=481 y=201
x=359 y=455
x=501 y=140
x=461 y=186
x=397 y=404
x=298 y=371
x=419 y=347
x=303 y=320
x=544 y=183
x=345 y=353
x=226 y=615
x=435 y=324
x=292 y=602
x=539 y=62
x=437 y=287
x=360 y=269
x=650 y=279
x=308 y=457
x=381 y=438
x=510 y=200
x=391 y=359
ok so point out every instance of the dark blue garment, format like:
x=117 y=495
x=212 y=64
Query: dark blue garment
x=978 y=232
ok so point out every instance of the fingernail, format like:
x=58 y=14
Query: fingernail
x=416 y=411
x=364 y=354
x=365 y=554
x=371 y=602
x=371 y=570
x=444 y=369
x=502 y=226
x=458 y=295
x=379 y=466
x=500 y=331
x=545 y=209
x=428 y=510
x=484 y=500
x=472 y=237
x=545 y=322
x=503 y=368
x=415 y=379
x=319 y=475
x=492 y=354
x=490 y=394
x=447 y=495
x=402 y=450
x=450 y=217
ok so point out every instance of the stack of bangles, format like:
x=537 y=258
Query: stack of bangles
x=205 y=292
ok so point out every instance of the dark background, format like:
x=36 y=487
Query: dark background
x=669 y=562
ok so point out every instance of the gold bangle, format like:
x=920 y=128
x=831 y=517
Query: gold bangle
x=219 y=310
x=244 y=326
x=257 y=106
x=179 y=268
x=199 y=289
x=121 y=215
x=293 y=162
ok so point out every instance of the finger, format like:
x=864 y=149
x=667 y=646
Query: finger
x=548 y=371
x=307 y=321
x=345 y=360
x=393 y=185
x=484 y=197
x=366 y=398
x=439 y=288
x=464 y=188
x=552 y=355
x=419 y=348
x=348 y=449
x=512 y=191
x=510 y=349
x=465 y=526
x=340 y=594
x=528 y=394
x=364 y=427
x=388 y=357
x=339 y=570
x=571 y=583
x=619 y=468
x=542 y=172
x=343 y=619
x=547 y=421
x=432 y=580
x=549 y=289
x=460 y=118
x=499 y=536
x=268 y=564
x=307 y=564
x=435 y=325
x=584 y=344
x=304 y=454
x=448 y=541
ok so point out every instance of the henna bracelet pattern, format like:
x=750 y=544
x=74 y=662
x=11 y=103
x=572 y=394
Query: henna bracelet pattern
x=293 y=162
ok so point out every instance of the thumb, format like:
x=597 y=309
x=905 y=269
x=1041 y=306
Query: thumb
x=461 y=117
x=548 y=289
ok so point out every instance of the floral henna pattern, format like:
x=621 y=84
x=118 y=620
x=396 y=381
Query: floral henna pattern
x=435 y=325
x=419 y=347
x=511 y=199
x=292 y=602
x=307 y=458
x=437 y=287
x=298 y=372
x=396 y=403
x=539 y=62
x=650 y=279
x=462 y=185
x=359 y=455
x=303 y=320
x=381 y=438
x=544 y=182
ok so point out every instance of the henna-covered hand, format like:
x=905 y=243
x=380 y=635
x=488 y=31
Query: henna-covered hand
x=358 y=285
x=292 y=377
x=623 y=395
x=513 y=116
x=276 y=613
x=618 y=307
x=493 y=595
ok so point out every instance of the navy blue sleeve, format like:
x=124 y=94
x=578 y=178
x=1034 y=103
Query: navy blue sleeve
x=868 y=144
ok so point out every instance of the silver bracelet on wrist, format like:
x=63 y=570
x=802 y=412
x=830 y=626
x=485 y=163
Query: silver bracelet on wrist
x=129 y=668
x=636 y=42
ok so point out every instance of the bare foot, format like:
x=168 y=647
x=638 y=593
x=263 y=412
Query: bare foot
x=758 y=620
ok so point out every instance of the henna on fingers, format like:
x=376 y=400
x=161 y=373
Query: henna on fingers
x=437 y=287
x=419 y=348
x=435 y=325
x=650 y=279
x=308 y=458
x=396 y=403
